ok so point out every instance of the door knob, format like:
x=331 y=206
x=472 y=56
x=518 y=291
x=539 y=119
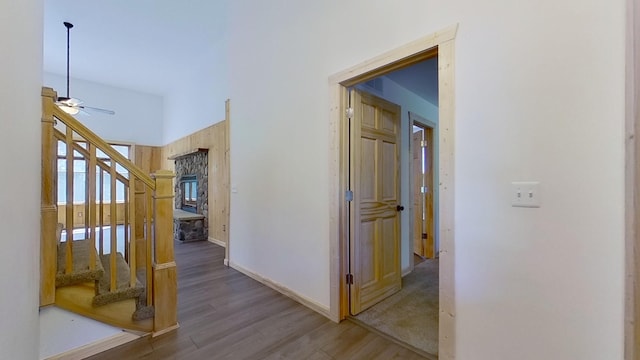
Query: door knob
x=399 y=208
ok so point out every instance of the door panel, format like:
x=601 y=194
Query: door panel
x=375 y=241
x=389 y=186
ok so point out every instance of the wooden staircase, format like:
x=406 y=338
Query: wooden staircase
x=125 y=275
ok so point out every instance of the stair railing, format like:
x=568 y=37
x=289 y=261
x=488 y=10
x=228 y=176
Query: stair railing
x=146 y=212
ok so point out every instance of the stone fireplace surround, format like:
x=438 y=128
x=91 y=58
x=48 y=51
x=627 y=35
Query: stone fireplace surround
x=190 y=226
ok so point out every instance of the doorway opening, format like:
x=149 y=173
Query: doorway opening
x=343 y=222
x=392 y=238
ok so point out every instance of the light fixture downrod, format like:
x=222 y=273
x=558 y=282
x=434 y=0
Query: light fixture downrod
x=68 y=25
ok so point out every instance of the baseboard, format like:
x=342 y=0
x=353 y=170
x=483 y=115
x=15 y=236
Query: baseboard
x=167 y=330
x=217 y=242
x=97 y=347
x=322 y=310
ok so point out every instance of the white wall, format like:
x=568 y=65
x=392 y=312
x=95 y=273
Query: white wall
x=539 y=96
x=139 y=116
x=198 y=99
x=21 y=76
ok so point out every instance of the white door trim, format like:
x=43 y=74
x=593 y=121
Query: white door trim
x=632 y=189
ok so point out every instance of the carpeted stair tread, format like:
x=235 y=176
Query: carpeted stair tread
x=81 y=269
x=123 y=289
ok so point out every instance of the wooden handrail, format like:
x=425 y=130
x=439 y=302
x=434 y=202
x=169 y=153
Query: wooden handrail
x=99 y=162
x=87 y=134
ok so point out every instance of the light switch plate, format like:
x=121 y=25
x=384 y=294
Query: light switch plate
x=525 y=194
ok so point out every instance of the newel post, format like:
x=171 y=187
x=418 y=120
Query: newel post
x=48 y=208
x=165 y=285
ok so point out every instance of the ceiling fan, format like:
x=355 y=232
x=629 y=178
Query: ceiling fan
x=72 y=105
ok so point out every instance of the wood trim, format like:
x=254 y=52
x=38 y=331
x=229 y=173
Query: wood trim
x=87 y=134
x=165 y=299
x=167 y=265
x=165 y=287
x=395 y=59
x=319 y=308
x=188 y=152
x=96 y=347
x=446 y=83
x=632 y=187
x=338 y=207
x=48 y=209
x=217 y=242
x=227 y=120
x=165 y=331
x=401 y=57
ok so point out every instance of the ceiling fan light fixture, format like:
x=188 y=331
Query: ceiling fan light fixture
x=69 y=109
x=71 y=105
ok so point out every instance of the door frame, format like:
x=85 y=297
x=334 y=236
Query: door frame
x=442 y=44
x=632 y=189
x=425 y=123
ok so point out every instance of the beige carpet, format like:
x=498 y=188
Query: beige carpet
x=411 y=315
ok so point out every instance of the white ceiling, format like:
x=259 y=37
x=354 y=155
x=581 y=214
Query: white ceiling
x=153 y=45
x=421 y=79
x=143 y=45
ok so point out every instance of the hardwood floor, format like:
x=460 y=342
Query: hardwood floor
x=224 y=314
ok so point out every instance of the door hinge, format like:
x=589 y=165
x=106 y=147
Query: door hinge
x=350 y=279
x=424 y=236
x=423 y=143
x=349 y=112
x=348 y=195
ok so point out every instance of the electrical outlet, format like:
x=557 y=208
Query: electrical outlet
x=525 y=194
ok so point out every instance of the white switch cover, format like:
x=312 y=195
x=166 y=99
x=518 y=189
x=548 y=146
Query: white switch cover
x=525 y=194
x=234 y=188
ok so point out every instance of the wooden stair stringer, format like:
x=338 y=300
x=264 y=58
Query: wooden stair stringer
x=79 y=299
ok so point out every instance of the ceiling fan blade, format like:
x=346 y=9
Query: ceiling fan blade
x=104 y=111
x=71 y=102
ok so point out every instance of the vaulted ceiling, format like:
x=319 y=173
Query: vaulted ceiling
x=153 y=45
x=144 y=45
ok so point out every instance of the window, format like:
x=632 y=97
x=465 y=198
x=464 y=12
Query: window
x=80 y=179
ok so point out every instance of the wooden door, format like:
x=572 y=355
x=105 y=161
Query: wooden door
x=375 y=239
x=423 y=216
x=429 y=229
x=418 y=196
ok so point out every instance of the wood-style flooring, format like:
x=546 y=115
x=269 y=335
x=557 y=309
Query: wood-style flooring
x=224 y=314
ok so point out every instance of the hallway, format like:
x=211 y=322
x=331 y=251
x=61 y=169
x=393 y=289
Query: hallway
x=224 y=314
x=411 y=315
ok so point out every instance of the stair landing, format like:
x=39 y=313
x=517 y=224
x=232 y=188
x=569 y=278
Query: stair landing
x=79 y=299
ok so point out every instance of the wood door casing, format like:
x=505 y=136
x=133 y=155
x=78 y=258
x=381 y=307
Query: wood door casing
x=375 y=244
